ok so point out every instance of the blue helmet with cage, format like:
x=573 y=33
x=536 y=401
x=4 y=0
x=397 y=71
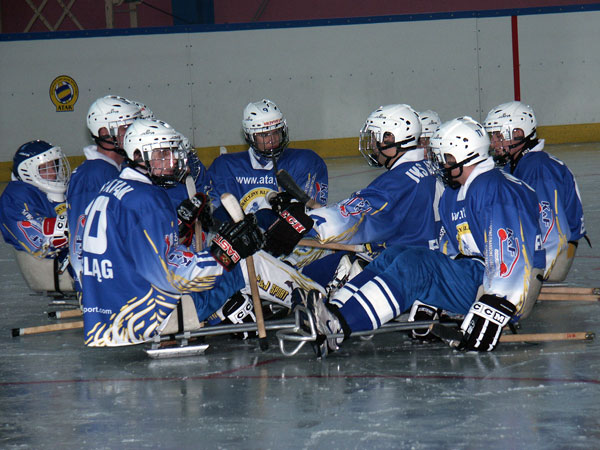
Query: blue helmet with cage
x=42 y=165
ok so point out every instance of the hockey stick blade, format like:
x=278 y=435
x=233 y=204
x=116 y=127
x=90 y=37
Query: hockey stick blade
x=286 y=181
x=450 y=336
x=288 y=184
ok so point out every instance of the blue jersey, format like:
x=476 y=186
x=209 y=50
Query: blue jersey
x=490 y=235
x=84 y=186
x=133 y=270
x=23 y=208
x=494 y=218
x=398 y=207
x=561 y=211
x=243 y=175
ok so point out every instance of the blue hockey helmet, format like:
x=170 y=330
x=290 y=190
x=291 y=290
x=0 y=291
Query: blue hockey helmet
x=43 y=165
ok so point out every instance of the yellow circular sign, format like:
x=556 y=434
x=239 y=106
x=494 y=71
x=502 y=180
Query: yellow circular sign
x=64 y=93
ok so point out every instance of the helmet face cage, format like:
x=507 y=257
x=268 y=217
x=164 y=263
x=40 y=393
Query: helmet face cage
x=269 y=143
x=47 y=170
x=161 y=150
x=368 y=144
x=400 y=120
x=166 y=162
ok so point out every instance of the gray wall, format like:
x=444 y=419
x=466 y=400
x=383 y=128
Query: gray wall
x=325 y=79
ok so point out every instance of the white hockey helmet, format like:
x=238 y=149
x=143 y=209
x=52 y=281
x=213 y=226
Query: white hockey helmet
x=145 y=112
x=264 y=120
x=156 y=147
x=465 y=140
x=44 y=166
x=111 y=112
x=399 y=120
x=430 y=120
x=505 y=119
x=510 y=116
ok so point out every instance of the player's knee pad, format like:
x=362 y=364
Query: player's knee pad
x=370 y=306
x=349 y=266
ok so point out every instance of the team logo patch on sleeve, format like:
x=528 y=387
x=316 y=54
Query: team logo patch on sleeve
x=547 y=218
x=509 y=251
x=355 y=206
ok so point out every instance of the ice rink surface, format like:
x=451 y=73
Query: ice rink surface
x=387 y=392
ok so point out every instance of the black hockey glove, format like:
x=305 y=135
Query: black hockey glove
x=285 y=233
x=236 y=240
x=188 y=212
x=484 y=322
x=280 y=201
x=422 y=312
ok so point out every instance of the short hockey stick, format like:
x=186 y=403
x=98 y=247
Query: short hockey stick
x=453 y=336
x=66 y=314
x=545 y=296
x=570 y=290
x=332 y=245
x=288 y=184
x=48 y=328
x=234 y=209
x=191 y=191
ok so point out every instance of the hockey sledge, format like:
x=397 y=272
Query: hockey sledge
x=300 y=335
x=182 y=328
x=42 y=275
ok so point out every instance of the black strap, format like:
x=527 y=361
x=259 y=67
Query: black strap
x=180 y=317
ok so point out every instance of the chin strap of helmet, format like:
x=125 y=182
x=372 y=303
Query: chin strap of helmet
x=102 y=140
x=399 y=151
x=527 y=143
x=448 y=179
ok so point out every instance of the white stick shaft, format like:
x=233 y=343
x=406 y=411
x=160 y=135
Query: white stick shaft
x=332 y=245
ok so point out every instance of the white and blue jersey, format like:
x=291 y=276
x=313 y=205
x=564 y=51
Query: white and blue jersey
x=133 y=270
x=398 y=207
x=23 y=208
x=490 y=236
x=561 y=211
x=494 y=218
x=85 y=183
x=250 y=179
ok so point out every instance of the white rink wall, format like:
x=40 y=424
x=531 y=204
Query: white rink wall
x=326 y=79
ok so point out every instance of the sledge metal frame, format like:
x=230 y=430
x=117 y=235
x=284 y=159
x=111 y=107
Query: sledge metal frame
x=300 y=335
x=287 y=331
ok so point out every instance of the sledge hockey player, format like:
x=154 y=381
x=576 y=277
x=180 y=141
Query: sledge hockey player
x=250 y=175
x=486 y=265
x=398 y=207
x=133 y=268
x=34 y=216
x=107 y=120
x=430 y=120
x=515 y=146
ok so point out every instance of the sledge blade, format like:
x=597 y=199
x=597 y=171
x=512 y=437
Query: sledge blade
x=176 y=352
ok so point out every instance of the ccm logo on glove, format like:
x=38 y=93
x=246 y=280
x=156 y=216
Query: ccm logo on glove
x=491 y=314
